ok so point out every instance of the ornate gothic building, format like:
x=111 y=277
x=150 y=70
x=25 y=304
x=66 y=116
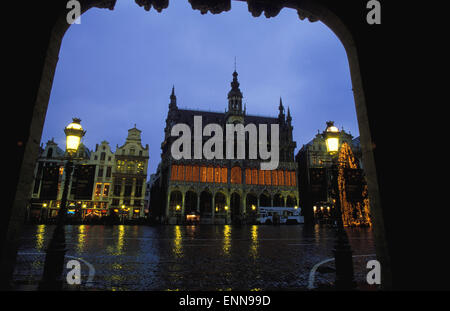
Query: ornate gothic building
x=223 y=190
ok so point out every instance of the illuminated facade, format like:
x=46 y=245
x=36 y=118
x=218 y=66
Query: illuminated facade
x=223 y=190
x=314 y=164
x=129 y=176
x=114 y=183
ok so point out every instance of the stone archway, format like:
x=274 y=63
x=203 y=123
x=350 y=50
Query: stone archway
x=190 y=202
x=278 y=200
x=251 y=208
x=235 y=207
x=291 y=201
x=265 y=200
x=175 y=202
x=220 y=202
x=29 y=119
x=206 y=208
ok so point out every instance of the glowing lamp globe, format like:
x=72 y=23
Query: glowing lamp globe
x=332 y=137
x=74 y=132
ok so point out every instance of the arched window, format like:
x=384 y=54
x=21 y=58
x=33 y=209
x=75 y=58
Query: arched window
x=174 y=173
x=210 y=174
x=236 y=175
x=261 y=177
x=180 y=172
x=203 y=174
x=195 y=173
x=254 y=176
x=217 y=174
x=288 y=178
x=280 y=178
x=267 y=178
x=188 y=172
x=274 y=178
x=224 y=175
x=248 y=176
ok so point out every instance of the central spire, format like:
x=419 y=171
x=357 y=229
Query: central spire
x=235 y=96
x=173 y=99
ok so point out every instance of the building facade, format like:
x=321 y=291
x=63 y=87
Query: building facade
x=222 y=190
x=103 y=182
x=130 y=175
x=314 y=169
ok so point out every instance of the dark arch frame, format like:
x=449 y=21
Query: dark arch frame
x=44 y=56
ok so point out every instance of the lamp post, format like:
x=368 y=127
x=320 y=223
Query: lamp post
x=342 y=250
x=54 y=258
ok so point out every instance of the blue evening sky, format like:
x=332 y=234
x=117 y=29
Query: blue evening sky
x=117 y=68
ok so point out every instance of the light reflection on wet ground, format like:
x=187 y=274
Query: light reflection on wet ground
x=205 y=257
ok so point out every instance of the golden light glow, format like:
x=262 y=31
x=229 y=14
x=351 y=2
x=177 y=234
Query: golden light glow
x=72 y=143
x=315 y=208
x=81 y=238
x=253 y=207
x=331 y=136
x=226 y=207
x=40 y=237
x=116 y=210
x=178 y=239
x=226 y=239
x=178 y=207
x=75 y=126
x=332 y=129
x=255 y=244
x=117 y=248
x=44 y=205
x=84 y=205
x=296 y=207
x=74 y=132
x=332 y=144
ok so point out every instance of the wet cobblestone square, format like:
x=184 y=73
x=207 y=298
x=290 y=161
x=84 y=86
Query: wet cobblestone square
x=202 y=257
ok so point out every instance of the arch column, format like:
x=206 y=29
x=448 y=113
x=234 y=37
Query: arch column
x=213 y=206
x=284 y=199
x=168 y=204
x=228 y=211
x=243 y=205
x=183 y=196
x=198 y=202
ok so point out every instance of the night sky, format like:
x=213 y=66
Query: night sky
x=117 y=68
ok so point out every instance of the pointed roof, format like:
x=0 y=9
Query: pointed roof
x=235 y=91
x=173 y=99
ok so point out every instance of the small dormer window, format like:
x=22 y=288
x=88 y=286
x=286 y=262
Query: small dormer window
x=49 y=152
x=132 y=151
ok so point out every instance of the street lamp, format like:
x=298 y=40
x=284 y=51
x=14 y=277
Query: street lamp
x=342 y=250
x=54 y=258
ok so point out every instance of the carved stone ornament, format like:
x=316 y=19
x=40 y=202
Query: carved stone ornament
x=302 y=14
x=158 y=5
x=213 y=6
x=271 y=9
